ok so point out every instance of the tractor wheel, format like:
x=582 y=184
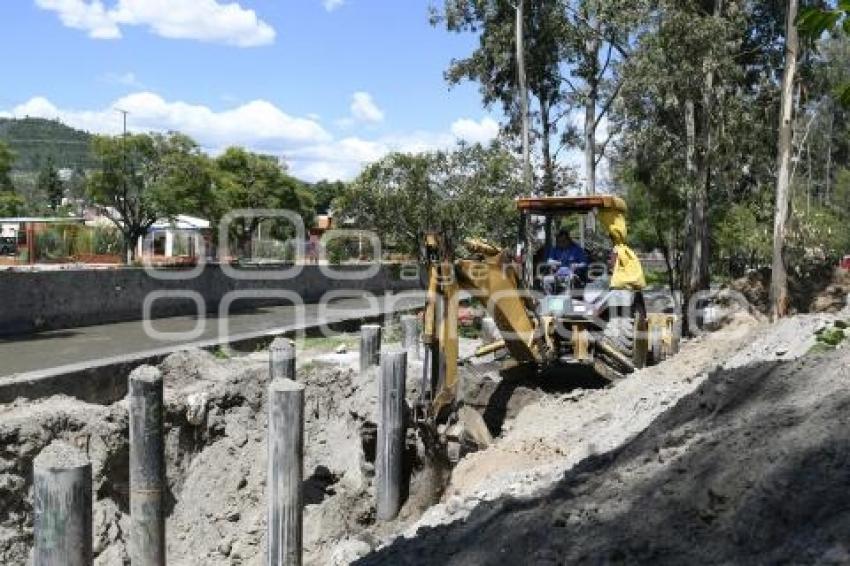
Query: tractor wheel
x=629 y=336
x=620 y=331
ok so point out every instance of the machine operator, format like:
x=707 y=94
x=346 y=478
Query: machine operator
x=568 y=258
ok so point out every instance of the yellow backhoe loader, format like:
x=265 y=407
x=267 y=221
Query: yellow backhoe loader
x=598 y=319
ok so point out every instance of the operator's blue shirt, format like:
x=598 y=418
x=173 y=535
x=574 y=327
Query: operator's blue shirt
x=572 y=254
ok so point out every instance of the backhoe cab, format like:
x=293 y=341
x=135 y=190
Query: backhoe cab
x=593 y=314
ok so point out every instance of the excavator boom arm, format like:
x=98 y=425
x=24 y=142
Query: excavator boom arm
x=495 y=283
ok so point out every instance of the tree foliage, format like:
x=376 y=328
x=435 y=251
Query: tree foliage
x=697 y=114
x=324 y=193
x=815 y=20
x=466 y=192
x=145 y=177
x=51 y=185
x=246 y=180
x=11 y=203
x=7 y=159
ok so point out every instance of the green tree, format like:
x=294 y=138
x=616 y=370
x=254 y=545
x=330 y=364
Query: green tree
x=324 y=193
x=246 y=180
x=50 y=185
x=815 y=20
x=11 y=203
x=143 y=178
x=7 y=159
x=697 y=115
x=466 y=192
x=572 y=48
x=76 y=188
x=493 y=64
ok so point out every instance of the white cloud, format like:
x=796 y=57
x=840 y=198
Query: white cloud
x=92 y=16
x=312 y=152
x=258 y=123
x=331 y=5
x=345 y=158
x=203 y=20
x=476 y=132
x=364 y=109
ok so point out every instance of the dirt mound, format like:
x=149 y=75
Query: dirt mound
x=749 y=468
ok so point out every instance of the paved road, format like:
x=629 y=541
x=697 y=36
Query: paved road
x=79 y=346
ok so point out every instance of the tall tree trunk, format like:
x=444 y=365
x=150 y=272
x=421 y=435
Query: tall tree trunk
x=700 y=277
x=129 y=248
x=592 y=46
x=690 y=216
x=523 y=95
x=699 y=162
x=779 y=277
x=548 y=162
x=828 y=183
x=590 y=138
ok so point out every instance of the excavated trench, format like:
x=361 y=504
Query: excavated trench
x=215 y=444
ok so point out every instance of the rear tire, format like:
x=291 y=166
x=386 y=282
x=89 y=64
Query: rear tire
x=628 y=335
x=620 y=331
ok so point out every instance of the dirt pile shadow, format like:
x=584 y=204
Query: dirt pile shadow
x=750 y=468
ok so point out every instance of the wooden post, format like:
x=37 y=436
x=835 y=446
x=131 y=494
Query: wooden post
x=62 y=507
x=282 y=359
x=285 y=472
x=410 y=335
x=147 y=468
x=390 y=449
x=370 y=346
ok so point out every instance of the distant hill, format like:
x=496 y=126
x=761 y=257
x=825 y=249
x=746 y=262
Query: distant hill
x=35 y=139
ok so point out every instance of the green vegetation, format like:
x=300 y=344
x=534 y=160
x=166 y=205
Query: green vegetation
x=324 y=193
x=466 y=192
x=50 y=184
x=35 y=140
x=222 y=353
x=832 y=336
x=10 y=202
x=146 y=177
x=245 y=180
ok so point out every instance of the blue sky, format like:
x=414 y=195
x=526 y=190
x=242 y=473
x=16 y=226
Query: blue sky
x=327 y=84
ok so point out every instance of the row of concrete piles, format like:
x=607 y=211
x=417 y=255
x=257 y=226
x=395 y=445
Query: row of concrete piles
x=62 y=475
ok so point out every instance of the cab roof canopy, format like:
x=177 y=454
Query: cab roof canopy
x=556 y=205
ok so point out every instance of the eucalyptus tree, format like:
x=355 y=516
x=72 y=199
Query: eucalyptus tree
x=697 y=111
x=493 y=64
x=779 y=300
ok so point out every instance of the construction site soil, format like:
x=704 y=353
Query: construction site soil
x=735 y=451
